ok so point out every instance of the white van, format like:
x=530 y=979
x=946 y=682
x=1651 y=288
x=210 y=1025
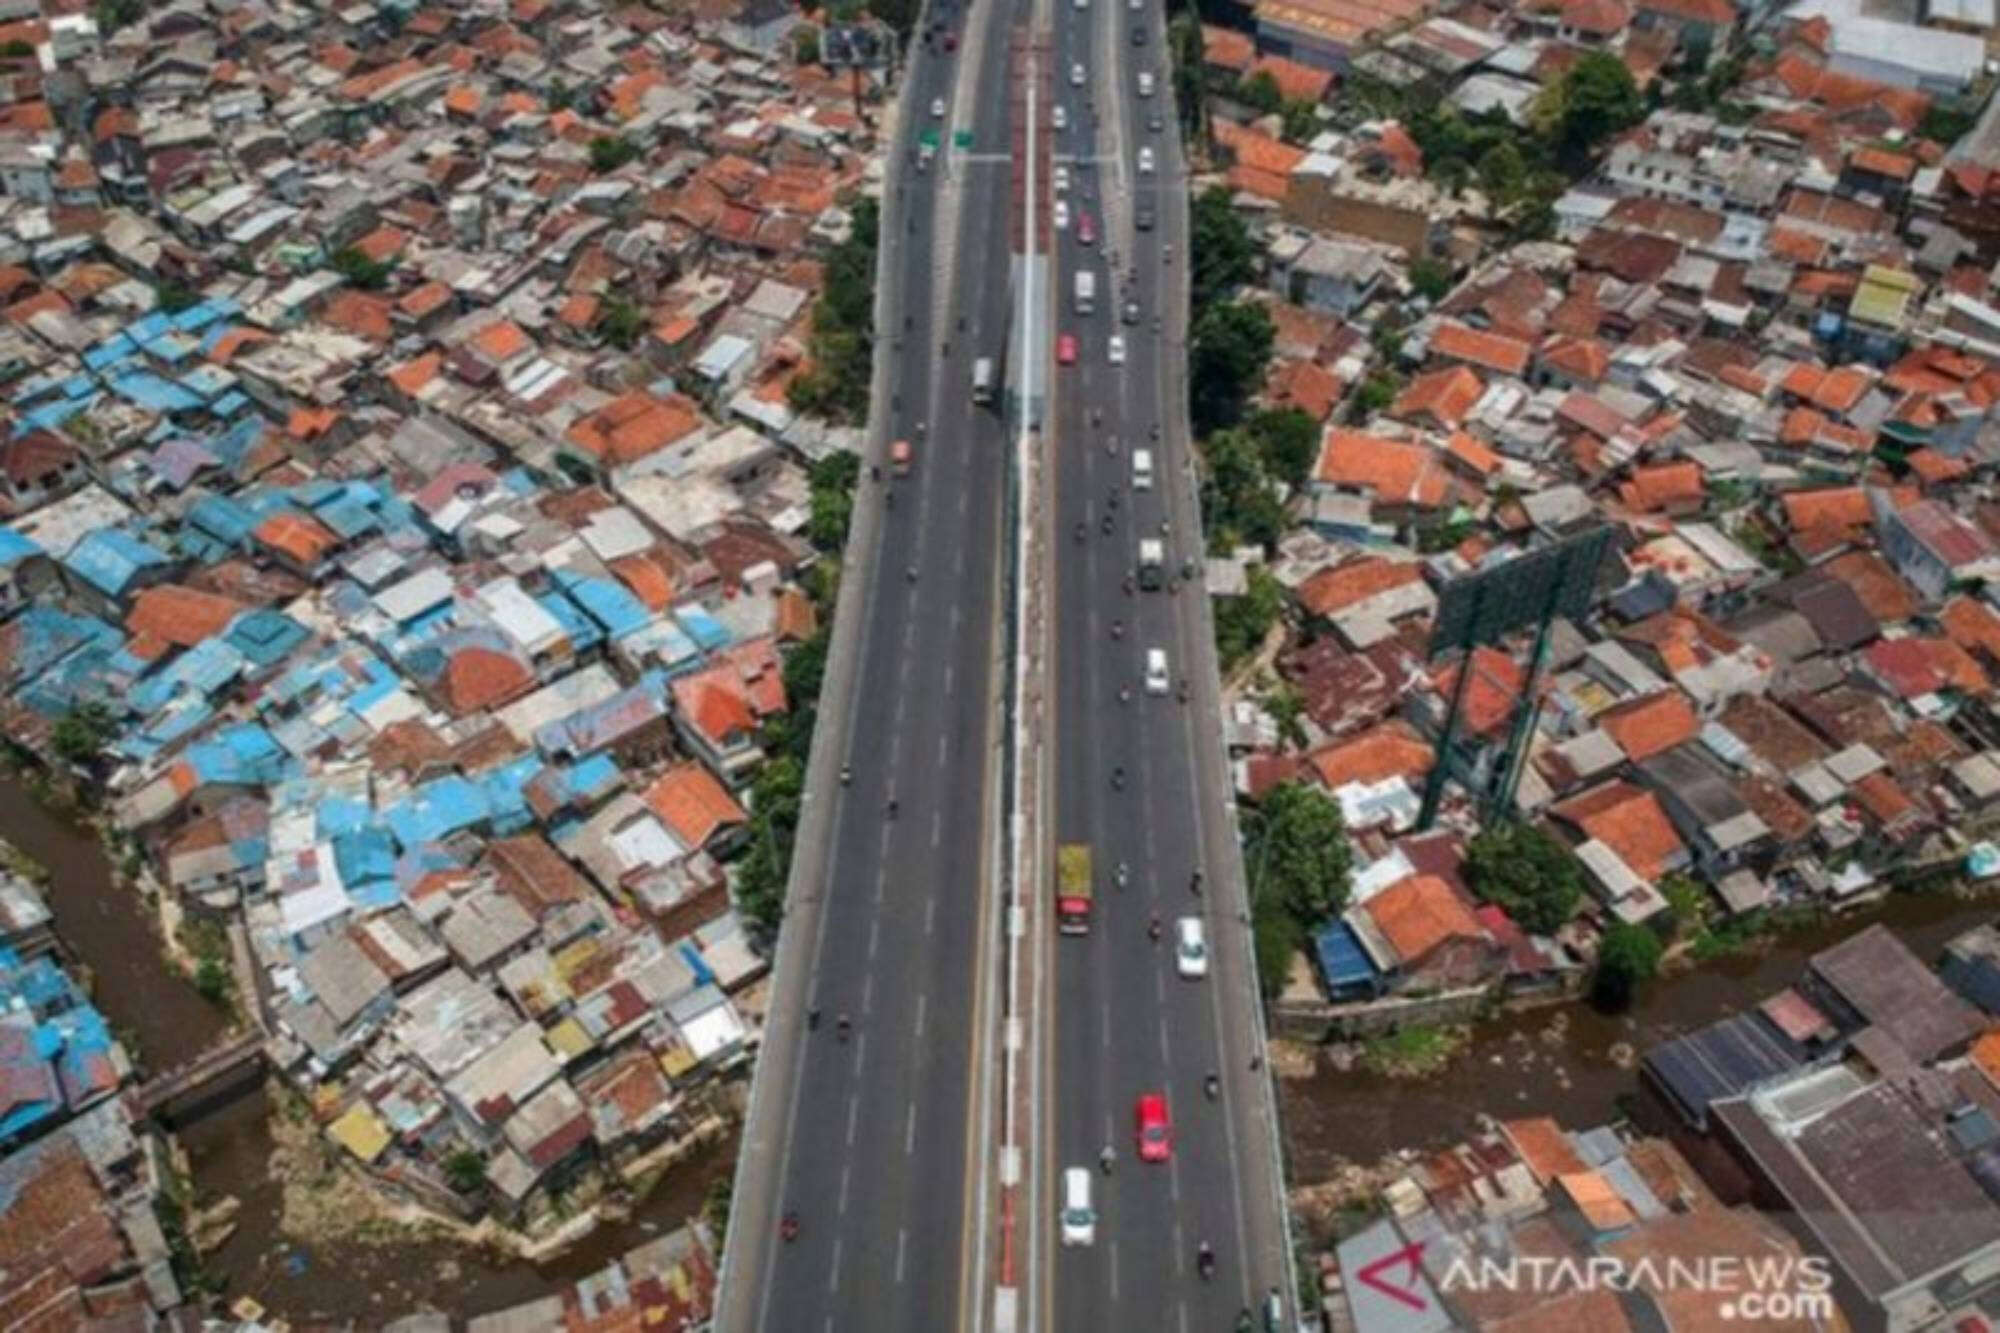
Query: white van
x=1142 y=469
x=1145 y=83
x=1190 y=948
x=1079 y=1223
x=1157 y=679
x=1145 y=161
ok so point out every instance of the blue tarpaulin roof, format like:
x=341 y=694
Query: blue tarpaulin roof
x=110 y=558
x=154 y=393
x=1342 y=961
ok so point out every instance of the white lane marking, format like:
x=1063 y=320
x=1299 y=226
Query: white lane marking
x=937 y=826
x=833 y=1275
x=923 y=1003
x=874 y=939
x=853 y=1118
x=1180 y=1239
x=930 y=914
x=902 y=1249
x=1182 y=1307
x=1114 y=1272
x=944 y=738
x=1163 y=1039
x=949 y=669
x=868 y=992
x=910 y=1131
x=1106 y=1028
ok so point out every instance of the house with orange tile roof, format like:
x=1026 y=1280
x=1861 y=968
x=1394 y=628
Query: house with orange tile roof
x=629 y=429
x=1368 y=588
x=1390 y=749
x=1305 y=385
x=1440 y=398
x=1631 y=824
x=1646 y=726
x=1664 y=488
x=298 y=542
x=1426 y=934
x=697 y=809
x=1492 y=352
x=1259 y=165
x=1402 y=479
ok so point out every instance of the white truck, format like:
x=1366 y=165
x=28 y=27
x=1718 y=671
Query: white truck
x=1086 y=291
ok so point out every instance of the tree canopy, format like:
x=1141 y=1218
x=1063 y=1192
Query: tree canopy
x=608 y=152
x=1301 y=872
x=1220 y=248
x=1227 y=353
x=1594 y=99
x=1530 y=875
x=1626 y=960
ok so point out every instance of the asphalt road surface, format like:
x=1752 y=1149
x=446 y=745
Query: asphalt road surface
x=1124 y=1023
x=874 y=1139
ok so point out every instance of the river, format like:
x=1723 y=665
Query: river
x=1519 y=1065
x=164 y=1022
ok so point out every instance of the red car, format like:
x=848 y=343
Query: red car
x=1086 y=230
x=1156 y=1135
x=1066 y=349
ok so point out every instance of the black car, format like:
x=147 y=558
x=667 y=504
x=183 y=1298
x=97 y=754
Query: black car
x=1138 y=36
x=1142 y=218
x=1154 y=123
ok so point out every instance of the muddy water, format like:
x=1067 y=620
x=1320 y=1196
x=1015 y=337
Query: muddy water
x=113 y=933
x=1560 y=1061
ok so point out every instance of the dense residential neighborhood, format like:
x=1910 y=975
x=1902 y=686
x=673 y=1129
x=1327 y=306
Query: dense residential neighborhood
x=429 y=436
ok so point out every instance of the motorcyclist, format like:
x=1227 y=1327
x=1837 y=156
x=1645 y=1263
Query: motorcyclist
x=1204 y=1260
x=1194 y=883
x=846 y=774
x=843 y=1025
x=1118 y=778
x=1121 y=874
x=789 y=1226
x=1117 y=629
x=1082 y=529
x=1153 y=928
x=1211 y=1085
x=1104 y=1159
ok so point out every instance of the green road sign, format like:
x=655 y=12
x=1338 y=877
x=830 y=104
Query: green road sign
x=962 y=139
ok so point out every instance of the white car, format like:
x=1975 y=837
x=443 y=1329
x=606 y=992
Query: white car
x=1115 y=349
x=1158 y=679
x=1059 y=179
x=1145 y=161
x=1076 y=75
x=1059 y=215
x=1135 y=5
x=1060 y=117
x=1145 y=83
x=937 y=107
x=1079 y=1220
x=1190 y=948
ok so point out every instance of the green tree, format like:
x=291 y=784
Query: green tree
x=80 y=737
x=1595 y=99
x=843 y=347
x=621 y=322
x=465 y=1170
x=832 y=494
x=898 y=14
x=1288 y=440
x=805 y=44
x=1260 y=92
x=368 y=274
x=1301 y=121
x=715 y=1208
x=1227 y=353
x=212 y=980
x=1626 y=960
x=805 y=670
x=1430 y=278
x=1297 y=853
x=112 y=15
x=1530 y=875
x=561 y=96
x=1220 y=248
x=1277 y=938
x=1242 y=623
x=608 y=152
x=1502 y=172
x=171 y=296
x=1376 y=393
x=1238 y=504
